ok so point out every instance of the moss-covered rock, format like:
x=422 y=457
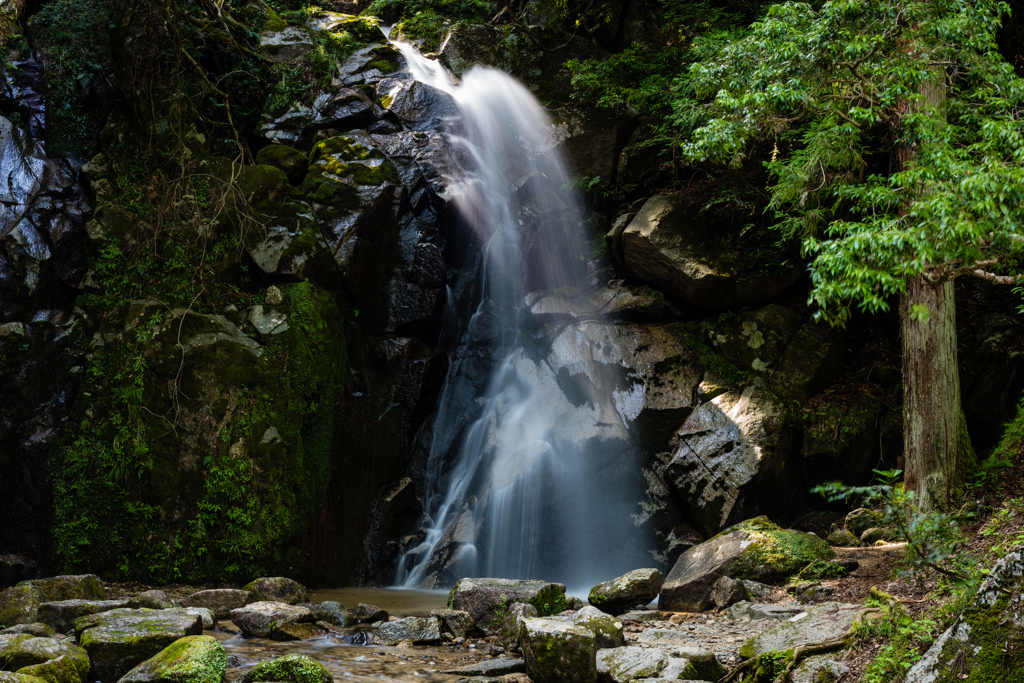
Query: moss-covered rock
x=289 y=160
x=755 y=549
x=9 y=677
x=860 y=520
x=987 y=642
x=38 y=650
x=119 y=640
x=487 y=600
x=558 y=652
x=20 y=604
x=193 y=659
x=607 y=630
x=634 y=588
x=265 y=619
x=220 y=601
x=277 y=589
x=63 y=669
x=412 y=629
x=294 y=668
x=35 y=629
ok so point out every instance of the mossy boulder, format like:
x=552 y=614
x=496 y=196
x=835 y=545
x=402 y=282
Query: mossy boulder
x=39 y=650
x=119 y=640
x=557 y=651
x=860 y=520
x=193 y=659
x=607 y=629
x=755 y=549
x=20 y=604
x=289 y=160
x=276 y=589
x=987 y=641
x=294 y=668
x=632 y=589
x=265 y=619
x=454 y=622
x=487 y=600
x=34 y=629
x=63 y=669
x=512 y=624
x=9 y=677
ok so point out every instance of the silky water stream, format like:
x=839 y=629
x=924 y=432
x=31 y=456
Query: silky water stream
x=529 y=473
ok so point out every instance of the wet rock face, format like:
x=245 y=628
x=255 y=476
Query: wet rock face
x=42 y=261
x=668 y=246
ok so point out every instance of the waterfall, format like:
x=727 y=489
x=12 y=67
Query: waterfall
x=522 y=482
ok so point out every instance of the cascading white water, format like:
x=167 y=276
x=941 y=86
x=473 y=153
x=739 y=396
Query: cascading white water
x=519 y=483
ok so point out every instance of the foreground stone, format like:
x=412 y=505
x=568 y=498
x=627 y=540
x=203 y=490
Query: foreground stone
x=455 y=623
x=410 y=629
x=61 y=615
x=827 y=621
x=120 y=639
x=633 y=589
x=220 y=601
x=63 y=669
x=487 y=599
x=275 y=589
x=34 y=629
x=193 y=659
x=512 y=625
x=30 y=651
x=987 y=642
x=624 y=664
x=607 y=630
x=755 y=549
x=264 y=619
x=558 y=652
x=490 y=667
x=288 y=669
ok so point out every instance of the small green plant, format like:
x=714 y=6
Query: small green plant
x=501 y=611
x=934 y=539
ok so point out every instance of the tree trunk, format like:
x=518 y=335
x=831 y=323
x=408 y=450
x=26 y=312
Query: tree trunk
x=937 y=451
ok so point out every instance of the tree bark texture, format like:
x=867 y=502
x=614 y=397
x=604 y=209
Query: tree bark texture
x=937 y=451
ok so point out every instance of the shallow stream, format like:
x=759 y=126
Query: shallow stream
x=349 y=661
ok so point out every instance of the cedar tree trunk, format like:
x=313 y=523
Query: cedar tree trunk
x=937 y=451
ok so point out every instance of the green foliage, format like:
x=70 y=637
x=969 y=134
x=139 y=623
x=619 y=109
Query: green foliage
x=391 y=11
x=74 y=36
x=934 y=539
x=823 y=569
x=896 y=134
x=904 y=635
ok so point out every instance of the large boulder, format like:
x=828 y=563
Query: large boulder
x=63 y=669
x=827 y=621
x=671 y=247
x=120 y=639
x=455 y=623
x=409 y=629
x=32 y=653
x=732 y=458
x=275 y=589
x=193 y=659
x=512 y=624
x=624 y=664
x=486 y=600
x=61 y=615
x=635 y=588
x=755 y=549
x=419 y=106
x=556 y=651
x=987 y=642
x=295 y=668
x=266 y=619
x=220 y=601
